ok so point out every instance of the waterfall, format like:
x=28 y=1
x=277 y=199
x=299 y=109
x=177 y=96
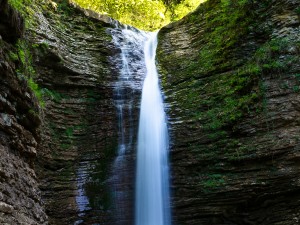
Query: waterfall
x=152 y=179
x=130 y=68
x=137 y=73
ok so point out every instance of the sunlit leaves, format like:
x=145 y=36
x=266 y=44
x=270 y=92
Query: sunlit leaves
x=143 y=14
x=184 y=8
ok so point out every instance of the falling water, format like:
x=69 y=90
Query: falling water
x=152 y=181
x=135 y=62
x=130 y=68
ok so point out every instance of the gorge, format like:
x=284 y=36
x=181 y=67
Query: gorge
x=229 y=72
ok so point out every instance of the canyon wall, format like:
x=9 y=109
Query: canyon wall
x=79 y=130
x=59 y=129
x=230 y=75
x=20 y=197
x=231 y=79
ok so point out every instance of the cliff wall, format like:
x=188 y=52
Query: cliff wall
x=78 y=65
x=79 y=132
x=20 y=197
x=230 y=74
x=58 y=118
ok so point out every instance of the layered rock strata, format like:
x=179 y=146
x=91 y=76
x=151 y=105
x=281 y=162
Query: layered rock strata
x=20 y=197
x=230 y=76
x=78 y=67
x=79 y=131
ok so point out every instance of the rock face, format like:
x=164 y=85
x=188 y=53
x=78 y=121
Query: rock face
x=71 y=142
x=11 y=23
x=79 y=132
x=20 y=197
x=70 y=53
x=230 y=74
x=78 y=65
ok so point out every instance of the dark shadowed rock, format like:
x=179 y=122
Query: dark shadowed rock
x=11 y=23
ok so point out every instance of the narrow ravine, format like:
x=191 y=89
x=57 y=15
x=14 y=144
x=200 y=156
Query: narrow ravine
x=71 y=88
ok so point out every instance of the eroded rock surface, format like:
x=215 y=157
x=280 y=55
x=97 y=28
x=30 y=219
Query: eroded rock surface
x=78 y=67
x=230 y=74
x=70 y=53
x=79 y=134
x=20 y=196
x=230 y=77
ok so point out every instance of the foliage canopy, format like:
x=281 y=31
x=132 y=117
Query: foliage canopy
x=143 y=14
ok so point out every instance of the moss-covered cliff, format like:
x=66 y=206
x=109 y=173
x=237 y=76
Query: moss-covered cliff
x=20 y=197
x=70 y=64
x=61 y=60
x=79 y=133
x=230 y=73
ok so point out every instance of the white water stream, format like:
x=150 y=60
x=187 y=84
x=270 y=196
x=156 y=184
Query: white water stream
x=137 y=61
x=130 y=68
x=152 y=179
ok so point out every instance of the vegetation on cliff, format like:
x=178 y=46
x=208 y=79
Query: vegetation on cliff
x=231 y=75
x=143 y=14
x=227 y=24
x=230 y=72
x=72 y=71
x=21 y=52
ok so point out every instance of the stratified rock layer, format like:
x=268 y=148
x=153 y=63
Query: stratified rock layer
x=79 y=137
x=69 y=52
x=78 y=66
x=230 y=74
x=20 y=197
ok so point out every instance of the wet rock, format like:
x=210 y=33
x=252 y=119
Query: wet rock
x=5 y=208
x=20 y=198
x=11 y=23
x=79 y=129
x=244 y=171
x=5 y=120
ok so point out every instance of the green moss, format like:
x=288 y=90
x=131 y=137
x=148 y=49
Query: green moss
x=226 y=25
x=229 y=98
x=42 y=46
x=26 y=9
x=69 y=132
x=13 y=56
x=298 y=11
x=27 y=69
x=96 y=184
x=21 y=55
x=63 y=6
x=267 y=56
x=296 y=88
x=91 y=96
x=232 y=96
x=213 y=181
x=66 y=138
x=37 y=91
x=215 y=86
x=19 y=4
x=65 y=146
x=221 y=80
x=54 y=95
